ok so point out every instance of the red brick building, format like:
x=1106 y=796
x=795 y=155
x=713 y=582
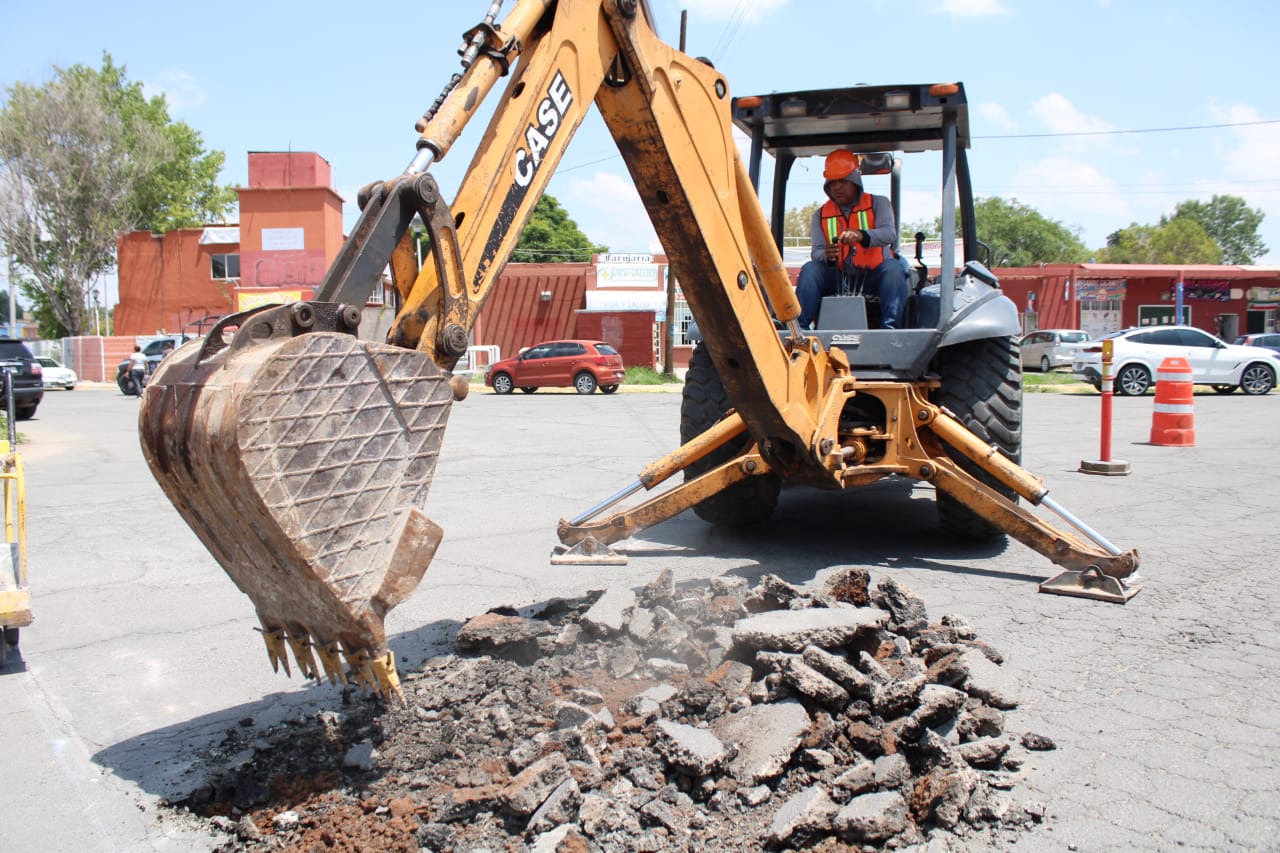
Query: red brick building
x=290 y=229
x=166 y=280
x=1101 y=298
x=289 y=232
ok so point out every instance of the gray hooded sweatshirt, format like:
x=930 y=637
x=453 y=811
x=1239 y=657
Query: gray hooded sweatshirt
x=882 y=235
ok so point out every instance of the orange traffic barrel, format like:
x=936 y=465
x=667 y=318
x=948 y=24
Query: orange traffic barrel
x=1173 y=421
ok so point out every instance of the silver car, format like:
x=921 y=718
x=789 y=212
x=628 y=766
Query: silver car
x=1048 y=349
x=1270 y=340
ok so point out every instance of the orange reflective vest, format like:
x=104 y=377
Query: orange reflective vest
x=862 y=218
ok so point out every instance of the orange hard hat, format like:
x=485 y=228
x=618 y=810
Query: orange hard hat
x=840 y=165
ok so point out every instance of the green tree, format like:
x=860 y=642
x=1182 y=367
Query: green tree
x=1230 y=223
x=1020 y=236
x=931 y=229
x=1173 y=241
x=796 y=224
x=183 y=192
x=1130 y=245
x=48 y=324
x=4 y=306
x=551 y=237
x=1186 y=241
x=83 y=159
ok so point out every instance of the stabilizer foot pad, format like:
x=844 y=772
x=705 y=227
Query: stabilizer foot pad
x=1092 y=583
x=588 y=552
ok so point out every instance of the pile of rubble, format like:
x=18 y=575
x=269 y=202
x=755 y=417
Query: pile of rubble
x=721 y=717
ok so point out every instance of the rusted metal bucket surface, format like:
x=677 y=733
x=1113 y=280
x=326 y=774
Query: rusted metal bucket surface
x=301 y=463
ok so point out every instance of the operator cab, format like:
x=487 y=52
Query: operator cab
x=882 y=125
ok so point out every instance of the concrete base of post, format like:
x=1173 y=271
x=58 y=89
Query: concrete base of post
x=1110 y=468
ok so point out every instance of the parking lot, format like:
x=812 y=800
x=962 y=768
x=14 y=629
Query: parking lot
x=1166 y=711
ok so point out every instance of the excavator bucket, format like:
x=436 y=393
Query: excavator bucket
x=299 y=455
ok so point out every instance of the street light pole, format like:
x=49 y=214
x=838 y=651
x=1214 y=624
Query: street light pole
x=13 y=311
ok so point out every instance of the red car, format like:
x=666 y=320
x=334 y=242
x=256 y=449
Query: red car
x=585 y=365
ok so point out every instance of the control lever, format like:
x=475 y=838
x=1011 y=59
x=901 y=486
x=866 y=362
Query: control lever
x=922 y=269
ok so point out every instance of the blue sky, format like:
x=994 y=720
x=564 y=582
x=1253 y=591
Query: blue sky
x=1053 y=88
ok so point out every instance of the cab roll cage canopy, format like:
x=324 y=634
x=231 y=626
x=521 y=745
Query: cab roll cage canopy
x=868 y=120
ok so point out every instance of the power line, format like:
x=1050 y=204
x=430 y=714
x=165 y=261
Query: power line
x=1269 y=186
x=804 y=165
x=563 y=169
x=730 y=31
x=1118 y=132
x=1095 y=191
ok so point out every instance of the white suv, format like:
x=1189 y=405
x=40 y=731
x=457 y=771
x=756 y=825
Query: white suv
x=1137 y=354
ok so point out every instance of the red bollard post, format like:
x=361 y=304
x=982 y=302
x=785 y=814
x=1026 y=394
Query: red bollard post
x=1105 y=464
x=1108 y=392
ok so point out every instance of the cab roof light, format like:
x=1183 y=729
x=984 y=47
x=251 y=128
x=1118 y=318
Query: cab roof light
x=793 y=108
x=897 y=100
x=941 y=90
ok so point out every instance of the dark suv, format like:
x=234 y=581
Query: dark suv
x=28 y=386
x=158 y=349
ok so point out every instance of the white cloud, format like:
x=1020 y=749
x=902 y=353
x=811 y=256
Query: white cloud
x=918 y=205
x=972 y=8
x=1253 y=153
x=997 y=116
x=1250 y=158
x=1075 y=193
x=608 y=209
x=181 y=91
x=1059 y=115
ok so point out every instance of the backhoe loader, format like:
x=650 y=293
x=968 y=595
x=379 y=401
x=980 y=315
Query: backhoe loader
x=301 y=455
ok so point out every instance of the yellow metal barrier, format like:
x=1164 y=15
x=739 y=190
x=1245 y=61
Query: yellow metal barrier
x=15 y=596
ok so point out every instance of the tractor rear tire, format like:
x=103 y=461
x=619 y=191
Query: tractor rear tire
x=982 y=387
x=704 y=403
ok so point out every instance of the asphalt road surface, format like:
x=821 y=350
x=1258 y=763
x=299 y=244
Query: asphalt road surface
x=1166 y=711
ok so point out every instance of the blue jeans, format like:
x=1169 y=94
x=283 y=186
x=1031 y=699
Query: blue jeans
x=888 y=282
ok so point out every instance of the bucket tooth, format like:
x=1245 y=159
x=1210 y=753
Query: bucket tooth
x=274 y=638
x=331 y=660
x=301 y=461
x=300 y=642
x=384 y=670
x=361 y=672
